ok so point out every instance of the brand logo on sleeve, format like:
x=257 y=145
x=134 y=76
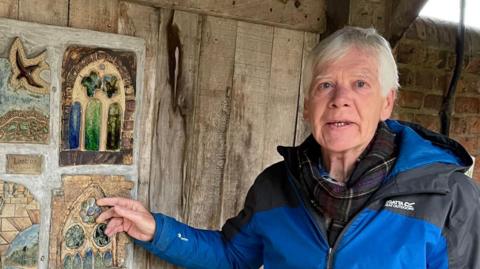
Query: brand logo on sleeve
x=179 y=235
x=400 y=205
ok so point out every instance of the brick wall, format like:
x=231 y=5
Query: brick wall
x=426 y=58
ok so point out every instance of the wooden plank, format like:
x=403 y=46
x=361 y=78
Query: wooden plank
x=94 y=15
x=174 y=109
x=281 y=109
x=9 y=9
x=143 y=21
x=245 y=136
x=307 y=15
x=54 y=12
x=303 y=130
x=212 y=116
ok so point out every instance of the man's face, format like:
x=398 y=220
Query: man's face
x=346 y=103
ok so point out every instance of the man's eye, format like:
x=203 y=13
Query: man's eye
x=361 y=84
x=325 y=85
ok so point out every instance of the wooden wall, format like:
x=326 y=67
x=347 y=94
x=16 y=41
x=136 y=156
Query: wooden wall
x=220 y=95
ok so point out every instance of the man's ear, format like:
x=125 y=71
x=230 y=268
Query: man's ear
x=388 y=104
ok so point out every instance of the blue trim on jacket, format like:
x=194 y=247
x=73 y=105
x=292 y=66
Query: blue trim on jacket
x=415 y=151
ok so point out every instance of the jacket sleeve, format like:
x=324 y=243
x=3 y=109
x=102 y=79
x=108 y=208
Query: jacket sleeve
x=236 y=246
x=462 y=229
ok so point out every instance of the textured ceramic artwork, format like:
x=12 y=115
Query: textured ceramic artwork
x=77 y=241
x=19 y=229
x=98 y=106
x=24 y=97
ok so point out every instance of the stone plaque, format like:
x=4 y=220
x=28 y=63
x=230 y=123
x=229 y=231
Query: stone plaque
x=24 y=164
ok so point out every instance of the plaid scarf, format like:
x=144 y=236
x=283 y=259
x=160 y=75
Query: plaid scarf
x=339 y=202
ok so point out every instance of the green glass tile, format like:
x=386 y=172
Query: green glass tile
x=74 y=237
x=93 y=121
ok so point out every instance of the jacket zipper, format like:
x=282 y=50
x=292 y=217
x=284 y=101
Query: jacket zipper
x=331 y=250
x=329 y=258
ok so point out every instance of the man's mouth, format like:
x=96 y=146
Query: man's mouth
x=339 y=124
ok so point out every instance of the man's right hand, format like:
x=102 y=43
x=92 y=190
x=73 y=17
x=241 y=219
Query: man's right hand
x=126 y=215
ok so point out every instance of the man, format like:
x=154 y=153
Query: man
x=361 y=192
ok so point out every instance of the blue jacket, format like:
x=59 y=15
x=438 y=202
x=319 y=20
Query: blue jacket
x=425 y=215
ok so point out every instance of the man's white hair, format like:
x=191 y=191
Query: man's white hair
x=336 y=45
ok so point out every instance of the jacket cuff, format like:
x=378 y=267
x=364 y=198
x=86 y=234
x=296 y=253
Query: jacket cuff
x=157 y=235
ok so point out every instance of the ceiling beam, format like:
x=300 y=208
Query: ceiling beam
x=304 y=15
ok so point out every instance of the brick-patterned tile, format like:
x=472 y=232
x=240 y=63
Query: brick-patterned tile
x=8 y=236
x=7 y=226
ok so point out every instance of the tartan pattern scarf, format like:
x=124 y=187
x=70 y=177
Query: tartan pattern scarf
x=339 y=202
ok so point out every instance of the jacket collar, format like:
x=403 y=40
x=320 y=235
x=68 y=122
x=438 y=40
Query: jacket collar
x=425 y=159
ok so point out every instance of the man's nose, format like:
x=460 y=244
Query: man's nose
x=340 y=97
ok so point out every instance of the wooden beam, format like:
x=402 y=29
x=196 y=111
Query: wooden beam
x=402 y=16
x=391 y=18
x=306 y=15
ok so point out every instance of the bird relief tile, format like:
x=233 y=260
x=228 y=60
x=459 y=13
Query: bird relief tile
x=24 y=96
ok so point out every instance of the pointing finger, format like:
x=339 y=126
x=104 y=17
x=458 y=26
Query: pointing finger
x=106 y=215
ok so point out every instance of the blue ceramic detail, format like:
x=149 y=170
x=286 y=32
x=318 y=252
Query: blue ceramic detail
x=74 y=126
x=88 y=259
